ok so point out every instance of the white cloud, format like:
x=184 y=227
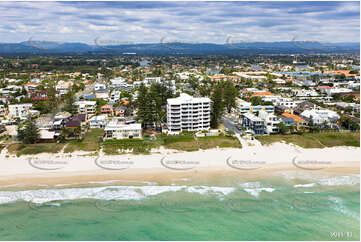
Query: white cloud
x=196 y=21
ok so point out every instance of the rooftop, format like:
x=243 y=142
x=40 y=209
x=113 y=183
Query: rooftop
x=185 y=98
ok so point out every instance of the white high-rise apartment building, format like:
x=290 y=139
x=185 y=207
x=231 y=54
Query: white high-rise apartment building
x=187 y=113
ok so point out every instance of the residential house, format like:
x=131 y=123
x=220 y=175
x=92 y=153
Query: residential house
x=287 y=121
x=47 y=136
x=45 y=123
x=253 y=123
x=120 y=111
x=82 y=117
x=98 y=121
x=353 y=106
x=149 y=80
x=225 y=77
x=283 y=109
x=87 y=107
x=271 y=122
x=306 y=105
x=117 y=82
x=107 y=109
x=324 y=89
x=254 y=76
x=73 y=128
x=320 y=117
x=102 y=93
x=99 y=86
x=297 y=120
x=40 y=95
x=20 y=110
x=117 y=129
x=63 y=87
x=114 y=96
x=60 y=119
x=30 y=87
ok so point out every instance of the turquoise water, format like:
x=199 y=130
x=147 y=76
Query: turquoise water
x=282 y=207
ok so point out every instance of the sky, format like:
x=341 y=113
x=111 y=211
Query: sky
x=104 y=23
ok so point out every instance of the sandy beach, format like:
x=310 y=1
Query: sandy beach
x=166 y=165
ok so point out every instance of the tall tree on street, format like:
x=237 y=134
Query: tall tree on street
x=217 y=106
x=29 y=132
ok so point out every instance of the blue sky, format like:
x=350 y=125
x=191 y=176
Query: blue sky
x=191 y=22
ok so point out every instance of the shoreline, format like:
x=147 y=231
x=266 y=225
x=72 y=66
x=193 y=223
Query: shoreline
x=167 y=165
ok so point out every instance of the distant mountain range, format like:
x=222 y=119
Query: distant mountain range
x=174 y=48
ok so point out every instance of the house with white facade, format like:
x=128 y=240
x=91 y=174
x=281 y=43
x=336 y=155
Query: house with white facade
x=98 y=121
x=117 y=82
x=118 y=129
x=253 y=123
x=271 y=122
x=320 y=116
x=187 y=113
x=102 y=93
x=87 y=107
x=63 y=87
x=114 y=96
x=149 y=80
x=20 y=110
x=99 y=86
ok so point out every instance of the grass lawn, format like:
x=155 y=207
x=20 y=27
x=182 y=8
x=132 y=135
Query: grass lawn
x=137 y=146
x=179 y=142
x=315 y=140
x=90 y=142
x=189 y=143
x=32 y=149
x=221 y=141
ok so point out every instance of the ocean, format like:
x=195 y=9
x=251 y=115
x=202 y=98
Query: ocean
x=279 y=206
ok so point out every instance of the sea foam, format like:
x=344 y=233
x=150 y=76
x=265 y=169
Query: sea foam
x=255 y=188
x=106 y=193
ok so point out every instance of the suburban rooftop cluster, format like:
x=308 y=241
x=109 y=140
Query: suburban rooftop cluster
x=129 y=95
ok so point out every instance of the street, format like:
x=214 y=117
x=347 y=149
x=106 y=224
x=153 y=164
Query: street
x=229 y=124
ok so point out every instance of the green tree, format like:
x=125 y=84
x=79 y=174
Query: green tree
x=230 y=95
x=145 y=107
x=159 y=93
x=256 y=100
x=283 y=128
x=69 y=102
x=28 y=133
x=217 y=106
